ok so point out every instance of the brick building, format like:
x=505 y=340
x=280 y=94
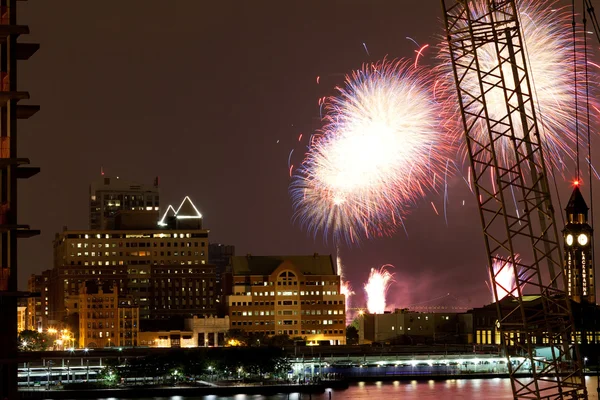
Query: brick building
x=38 y=307
x=105 y=318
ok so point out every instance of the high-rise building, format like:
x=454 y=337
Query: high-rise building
x=579 y=262
x=291 y=295
x=110 y=195
x=219 y=255
x=38 y=307
x=165 y=272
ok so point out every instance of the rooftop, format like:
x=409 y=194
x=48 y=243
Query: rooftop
x=577 y=204
x=265 y=265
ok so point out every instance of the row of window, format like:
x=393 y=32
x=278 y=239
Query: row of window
x=302 y=332
x=160 y=235
x=139 y=272
x=178 y=307
x=290 y=293
x=137 y=254
x=286 y=283
x=493 y=337
x=287 y=302
x=138 y=262
x=109 y=334
x=101 y=245
x=286 y=312
x=111 y=314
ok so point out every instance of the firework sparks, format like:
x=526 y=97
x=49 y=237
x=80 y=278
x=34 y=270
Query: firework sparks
x=376 y=289
x=382 y=143
x=548 y=41
x=345 y=286
x=506 y=280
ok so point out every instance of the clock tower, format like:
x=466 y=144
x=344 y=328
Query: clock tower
x=579 y=264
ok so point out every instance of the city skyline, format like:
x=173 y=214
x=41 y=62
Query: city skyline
x=216 y=116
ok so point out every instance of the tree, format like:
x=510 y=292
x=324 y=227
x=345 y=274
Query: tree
x=257 y=339
x=33 y=341
x=236 y=337
x=351 y=335
x=110 y=375
x=280 y=341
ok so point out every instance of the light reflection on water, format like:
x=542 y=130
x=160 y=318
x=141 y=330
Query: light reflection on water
x=492 y=389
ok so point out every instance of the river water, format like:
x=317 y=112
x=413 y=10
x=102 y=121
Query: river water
x=488 y=389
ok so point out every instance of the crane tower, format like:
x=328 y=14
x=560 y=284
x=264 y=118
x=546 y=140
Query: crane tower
x=511 y=185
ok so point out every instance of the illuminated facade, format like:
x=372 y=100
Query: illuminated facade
x=165 y=272
x=110 y=195
x=296 y=296
x=197 y=332
x=21 y=318
x=168 y=339
x=578 y=259
x=105 y=318
x=38 y=307
x=585 y=315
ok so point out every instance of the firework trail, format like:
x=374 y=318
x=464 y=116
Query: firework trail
x=345 y=286
x=506 y=280
x=382 y=143
x=376 y=289
x=548 y=43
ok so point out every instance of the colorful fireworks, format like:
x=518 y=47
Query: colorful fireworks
x=506 y=280
x=380 y=150
x=548 y=41
x=345 y=286
x=376 y=289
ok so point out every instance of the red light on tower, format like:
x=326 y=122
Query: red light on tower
x=576 y=182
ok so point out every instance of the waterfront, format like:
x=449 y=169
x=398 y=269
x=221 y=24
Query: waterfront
x=489 y=389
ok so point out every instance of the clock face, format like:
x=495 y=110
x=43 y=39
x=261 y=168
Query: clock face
x=569 y=240
x=582 y=239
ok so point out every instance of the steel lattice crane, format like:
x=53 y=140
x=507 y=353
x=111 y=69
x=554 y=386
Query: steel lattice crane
x=542 y=316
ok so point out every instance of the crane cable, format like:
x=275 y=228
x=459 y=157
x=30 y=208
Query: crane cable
x=539 y=113
x=590 y=11
x=575 y=90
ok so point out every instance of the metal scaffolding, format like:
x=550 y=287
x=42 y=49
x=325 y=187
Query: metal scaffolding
x=12 y=168
x=523 y=237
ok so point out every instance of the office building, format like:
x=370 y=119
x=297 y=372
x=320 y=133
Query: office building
x=165 y=272
x=289 y=295
x=410 y=327
x=38 y=308
x=110 y=195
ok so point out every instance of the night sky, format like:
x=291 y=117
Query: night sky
x=211 y=96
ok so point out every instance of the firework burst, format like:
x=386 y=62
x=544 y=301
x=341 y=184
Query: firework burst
x=506 y=279
x=380 y=149
x=376 y=289
x=345 y=286
x=548 y=41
